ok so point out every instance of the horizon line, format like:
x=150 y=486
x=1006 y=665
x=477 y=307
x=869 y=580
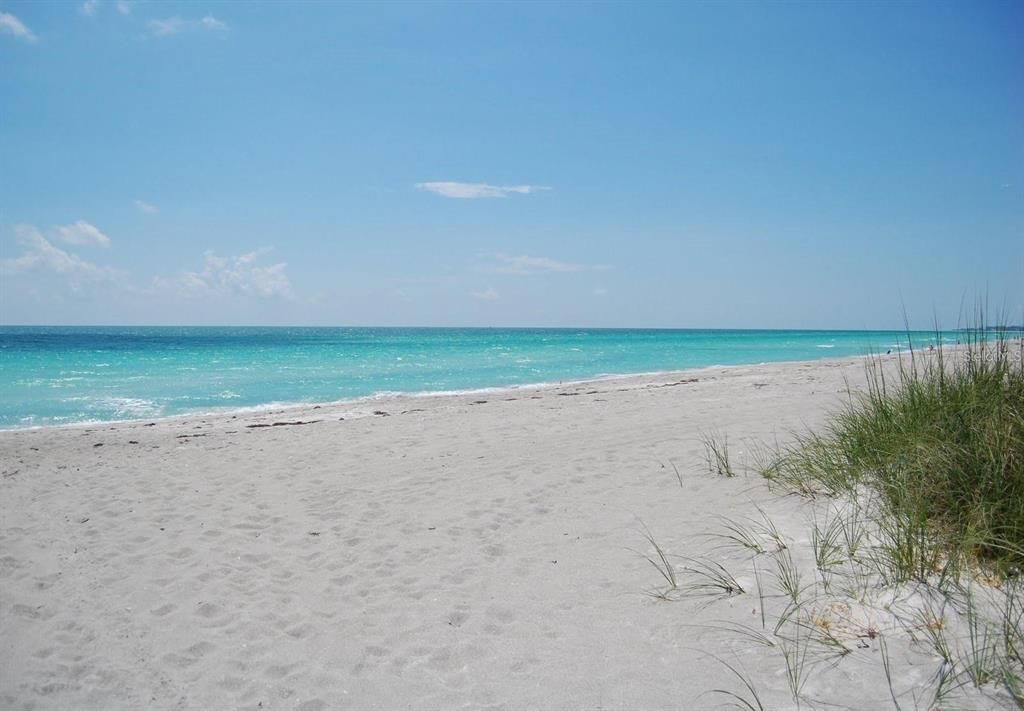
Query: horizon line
x=1009 y=327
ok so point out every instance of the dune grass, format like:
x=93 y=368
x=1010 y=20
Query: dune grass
x=942 y=441
x=716 y=454
x=969 y=626
x=918 y=536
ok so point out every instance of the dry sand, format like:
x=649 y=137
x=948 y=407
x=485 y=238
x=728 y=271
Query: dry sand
x=471 y=551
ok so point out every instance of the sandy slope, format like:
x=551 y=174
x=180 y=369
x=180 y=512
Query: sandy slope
x=460 y=552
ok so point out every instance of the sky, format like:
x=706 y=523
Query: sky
x=688 y=164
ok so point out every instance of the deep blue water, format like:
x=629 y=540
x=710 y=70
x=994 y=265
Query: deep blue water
x=60 y=375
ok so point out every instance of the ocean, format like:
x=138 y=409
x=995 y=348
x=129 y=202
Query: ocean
x=61 y=375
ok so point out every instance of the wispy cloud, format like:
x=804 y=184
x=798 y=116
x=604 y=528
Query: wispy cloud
x=11 y=25
x=82 y=233
x=167 y=26
x=175 y=25
x=469 y=191
x=226 y=276
x=210 y=22
x=488 y=294
x=41 y=255
x=524 y=264
x=89 y=8
x=145 y=207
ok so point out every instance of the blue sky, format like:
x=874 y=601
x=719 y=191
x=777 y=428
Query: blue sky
x=724 y=164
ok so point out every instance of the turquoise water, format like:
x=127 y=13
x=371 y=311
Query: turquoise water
x=58 y=375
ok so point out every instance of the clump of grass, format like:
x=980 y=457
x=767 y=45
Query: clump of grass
x=932 y=624
x=942 y=441
x=981 y=660
x=662 y=564
x=710 y=578
x=827 y=542
x=787 y=575
x=812 y=466
x=757 y=537
x=907 y=550
x=703 y=576
x=794 y=653
x=716 y=454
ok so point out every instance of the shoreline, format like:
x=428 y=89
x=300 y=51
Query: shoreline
x=150 y=374
x=386 y=396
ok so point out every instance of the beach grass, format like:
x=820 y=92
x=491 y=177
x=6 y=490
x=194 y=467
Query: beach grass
x=942 y=443
x=716 y=454
x=918 y=488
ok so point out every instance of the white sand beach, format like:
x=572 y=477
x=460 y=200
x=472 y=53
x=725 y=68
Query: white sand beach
x=474 y=551
x=260 y=262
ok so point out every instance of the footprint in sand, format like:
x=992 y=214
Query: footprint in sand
x=494 y=551
x=208 y=610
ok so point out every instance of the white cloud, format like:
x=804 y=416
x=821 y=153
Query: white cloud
x=212 y=23
x=145 y=207
x=232 y=276
x=524 y=264
x=468 y=191
x=488 y=294
x=166 y=26
x=175 y=25
x=82 y=233
x=11 y=25
x=90 y=7
x=40 y=254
